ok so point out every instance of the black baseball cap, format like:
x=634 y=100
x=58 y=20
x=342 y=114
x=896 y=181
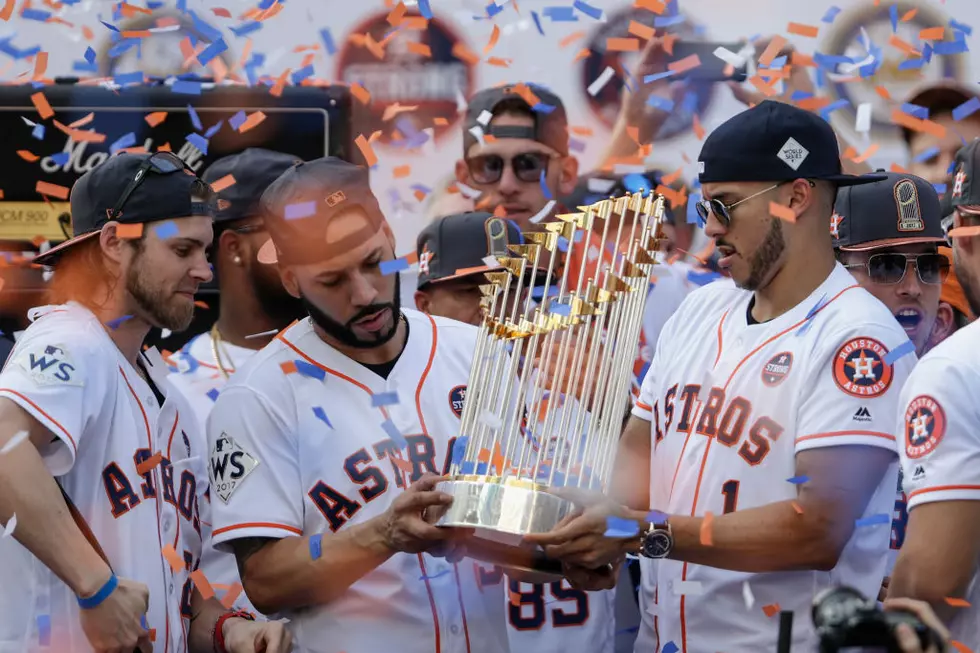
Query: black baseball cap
x=300 y=205
x=254 y=170
x=963 y=190
x=454 y=247
x=550 y=120
x=159 y=196
x=774 y=141
x=938 y=97
x=901 y=209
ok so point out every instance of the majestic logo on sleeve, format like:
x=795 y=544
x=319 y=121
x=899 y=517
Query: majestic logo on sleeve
x=860 y=368
x=925 y=424
x=230 y=464
x=778 y=367
x=457 y=398
x=49 y=365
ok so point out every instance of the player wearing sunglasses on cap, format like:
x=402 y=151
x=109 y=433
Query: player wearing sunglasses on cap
x=81 y=402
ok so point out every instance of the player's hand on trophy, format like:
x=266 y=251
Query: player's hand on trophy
x=908 y=641
x=243 y=636
x=591 y=580
x=580 y=539
x=404 y=526
x=116 y=625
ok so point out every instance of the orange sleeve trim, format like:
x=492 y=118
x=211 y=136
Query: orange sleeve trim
x=640 y=404
x=838 y=434
x=943 y=488
x=261 y=524
x=48 y=417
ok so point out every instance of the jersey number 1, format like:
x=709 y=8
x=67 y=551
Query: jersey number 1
x=729 y=490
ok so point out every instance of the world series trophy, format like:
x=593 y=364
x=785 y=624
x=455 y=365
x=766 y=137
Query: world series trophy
x=523 y=431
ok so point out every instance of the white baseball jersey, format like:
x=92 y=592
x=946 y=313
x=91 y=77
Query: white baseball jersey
x=197 y=376
x=305 y=440
x=731 y=403
x=69 y=375
x=939 y=443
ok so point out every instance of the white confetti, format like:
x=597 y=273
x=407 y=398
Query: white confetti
x=270 y=332
x=165 y=333
x=19 y=437
x=484 y=118
x=491 y=420
x=862 y=122
x=29 y=123
x=543 y=213
x=600 y=185
x=467 y=192
x=491 y=262
x=688 y=587
x=628 y=169
x=601 y=81
x=729 y=57
x=477 y=132
x=8 y=530
x=461 y=103
x=747 y=595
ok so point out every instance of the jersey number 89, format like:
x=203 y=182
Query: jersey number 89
x=529 y=606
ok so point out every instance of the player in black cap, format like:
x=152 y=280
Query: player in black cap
x=962 y=201
x=516 y=152
x=888 y=235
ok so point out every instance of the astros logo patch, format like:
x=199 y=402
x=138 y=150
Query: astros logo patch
x=860 y=368
x=925 y=424
x=777 y=368
x=457 y=397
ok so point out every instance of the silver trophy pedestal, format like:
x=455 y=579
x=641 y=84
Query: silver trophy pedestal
x=501 y=512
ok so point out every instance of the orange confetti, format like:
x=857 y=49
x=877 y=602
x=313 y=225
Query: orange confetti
x=672 y=177
x=668 y=42
x=685 y=64
x=614 y=44
x=809 y=31
x=202 y=584
x=898 y=169
x=242 y=60
x=656 y=6
x=397 y=14
x=148 y=464
x=580 y=130
x=221 y=11
x=30 y=157
x=420 y=49
x=129 y=231
x=171 y=556
x=775 y=45
x=40 y=65
x=366 y=150
x=418 y=194
x=571 y=38
x=41 y=104
x=904 y=46
x=584 y=53
x=54 y=190
x=277 y=88
x=128 y=10
x=307 y=60
x=8 y=10
x=37 y=241
x=909 y=15
x=201 y=304
x=782 y=212
x=231 y=595
x=813 y=103
x=771 y=609
x=187 y=51
x=439 y=121
x=515 y=598
x=221 y=184
x=932 y=34
x=706 y=529
x=360 y=93
x=867 y=154
x=903 y=119
x=402 y=464
x=497 y=61
x=412 y=257
x=962 y=648
x=415 y=23
x=883 y=92
x=253 y=121
x=401 y=171
x=797 y=507
x=762 y=86
x=800 y=59
x=463 y=53
x=637 y=28
x=86 y=30
x=136 y=33
x=698 y=128
x=155 y=118
x=81 y=122
x=957 y=603
x=494 y=37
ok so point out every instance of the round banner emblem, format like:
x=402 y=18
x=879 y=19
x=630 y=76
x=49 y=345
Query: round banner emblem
x=457 y=398
x=925 y=424
x=860 y=368
x=777 y=368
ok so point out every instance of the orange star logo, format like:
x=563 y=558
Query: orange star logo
x=864 y=366
x=835 y=221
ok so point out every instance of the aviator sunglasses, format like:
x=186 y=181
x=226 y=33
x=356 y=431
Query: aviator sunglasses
x=890 y=267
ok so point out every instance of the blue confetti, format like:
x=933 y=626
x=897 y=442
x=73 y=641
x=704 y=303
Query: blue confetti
x=940 y=189
x=670 y=647
x=111 y=27
x=537 y=292
x=950 y=47
x=833 y=106
x=195 y=119
x=300 y=210
x=493 y=9
x=186 y=87
x=798 y=480
x=459 y=449
x=576 y=145
x=619 y=527
x=303 y=73
x=209 y=32
x=830 y=15
x=544 y=186
x=467 y=467
x=907 y=347
x=800 y=95
x=561 y=14
x=168 y=229
x=915 y=110
x=962 y=27
x=44 y=629
x=237 y=120
x=702 y=278
x=124 y=141
x=384 y=399
x=310 y=370
x=213 y=129
x=114 y=324
x=266 y=4
x=213 y=394
x=587 y=9
x=434 y=576
x=652 y=78
x=777 y=63
x=212 y=51
x=121 y=48
x=893 y=14
x=199 y=142
x=393 y=433
x=541 y=107
x=926 y=154
x=537 y=22
x=85 y=67
x=61 y=158
x=328 y=39
x=967 y=108
x=182 y=6
x=656 y=517
x=38 y=132
x=560 y=309
x=391 y=267
x=668 y=21
x=873 y=520
x=135 y=77
x=247 y=28
x=664 y=104
x=35 y=14
x=322 y=416
x=425 y=9
x=911 y=64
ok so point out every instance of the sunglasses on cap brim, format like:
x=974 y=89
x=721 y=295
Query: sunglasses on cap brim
x=161 y=163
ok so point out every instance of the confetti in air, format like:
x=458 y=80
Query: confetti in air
x=15 y=440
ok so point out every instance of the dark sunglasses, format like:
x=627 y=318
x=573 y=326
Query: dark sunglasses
x=162 y=163
x=489 y=168
x=889 y=268
x=723 y=211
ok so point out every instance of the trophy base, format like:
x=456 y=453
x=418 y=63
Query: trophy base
x=501 y=512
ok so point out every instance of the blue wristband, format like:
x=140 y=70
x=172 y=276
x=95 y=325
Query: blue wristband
x=316 y=546
x=96 y=599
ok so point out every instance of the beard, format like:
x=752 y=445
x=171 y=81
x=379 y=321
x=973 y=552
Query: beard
x=765 y=257
x=157 y=303
x=344 y=332
x=273 y=299
x=969 y=284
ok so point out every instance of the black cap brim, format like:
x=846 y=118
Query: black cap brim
x=51 y=256
x=853 y=180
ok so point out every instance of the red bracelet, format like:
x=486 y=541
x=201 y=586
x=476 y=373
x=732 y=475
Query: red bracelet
x=218 y=637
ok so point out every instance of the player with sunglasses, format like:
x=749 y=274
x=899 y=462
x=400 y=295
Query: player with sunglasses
x=887 y=234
